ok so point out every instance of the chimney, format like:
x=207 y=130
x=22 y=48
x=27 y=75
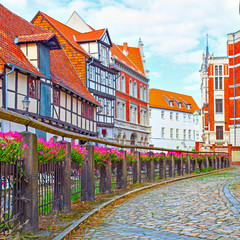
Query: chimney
x=125 y=48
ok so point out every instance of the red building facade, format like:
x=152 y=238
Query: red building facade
x=131 y=106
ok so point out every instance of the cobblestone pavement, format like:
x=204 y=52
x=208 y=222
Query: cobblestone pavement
x=190 y=209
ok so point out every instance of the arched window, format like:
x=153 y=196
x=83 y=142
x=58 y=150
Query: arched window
x=123 y=83
x=135 y=89
x=130 y=86
x=118 y=82
x=140 y=92
x=144 y=94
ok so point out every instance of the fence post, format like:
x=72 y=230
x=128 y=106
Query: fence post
x=30 y=188
x=137 y=169
x=162 y=167
x=105 y=178
x=87 y=176
x=181 y=165
x=207 y=162
x=66 y=178
x=171 y=166
x=188 y=167
x=150 y=168
x=230 y=154
x=214 y=161
x=122 y=173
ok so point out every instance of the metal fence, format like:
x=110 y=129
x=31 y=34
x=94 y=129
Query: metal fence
x=75 y=181
x=11 y=204
x=49 y=187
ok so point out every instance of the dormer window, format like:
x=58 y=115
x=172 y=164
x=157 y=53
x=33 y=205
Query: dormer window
x=180 y=105
x=188 y=106
x=170 y=103
x=104 y=55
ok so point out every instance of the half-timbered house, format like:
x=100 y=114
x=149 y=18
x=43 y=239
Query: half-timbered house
x=89 y=52
x=33 y=65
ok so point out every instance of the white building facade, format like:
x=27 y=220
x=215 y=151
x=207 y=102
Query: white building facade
x=172 y=122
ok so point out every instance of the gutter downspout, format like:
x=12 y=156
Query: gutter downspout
x=6 y=95
x=234 y=89
x=6 y=86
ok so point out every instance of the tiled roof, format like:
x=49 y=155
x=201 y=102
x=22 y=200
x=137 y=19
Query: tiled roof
x=36 y=37
x=121 y=57
x=157 y=100
x=135 y=56
x=13 y=26
x=90 y=36
x=64 y=73
x=68 y=33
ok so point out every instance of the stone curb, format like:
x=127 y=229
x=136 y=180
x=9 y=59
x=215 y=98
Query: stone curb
x=230 y=197
x=72 y=227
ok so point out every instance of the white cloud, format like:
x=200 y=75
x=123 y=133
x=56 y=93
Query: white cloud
x=189 y=57
x=155 y=74
x=193 y=78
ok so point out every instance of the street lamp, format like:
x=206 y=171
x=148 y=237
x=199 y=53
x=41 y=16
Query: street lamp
x=26 y=104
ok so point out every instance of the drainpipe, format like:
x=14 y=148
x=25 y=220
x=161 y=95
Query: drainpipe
x=6 y=95
x=6 y=86
x=234 y=90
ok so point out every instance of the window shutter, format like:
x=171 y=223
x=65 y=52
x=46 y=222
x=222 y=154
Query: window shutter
x=45 y=100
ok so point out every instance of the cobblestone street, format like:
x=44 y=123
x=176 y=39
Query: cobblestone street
x=190 y=209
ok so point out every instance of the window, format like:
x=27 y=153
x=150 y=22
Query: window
x=122 y=111
x=180 y=105
x=171 y=115
x=92 y=73
x=162 y=114
x=193 y=134
x=177 y=133
x=130 y=87
x=218 y=78
x=163 y=132
x=219 y=132
x=104 y=55
x=135 y=89
x=103 y=77
x=189 y=134
x=171 y=132
x=189 y=117
x=177 y=116
x=135 y=115
x=216 y=70
x=32 y=89
x=123 y=83
x=184 y=116
x=109 y=108
x=110 y=80
x=56 y=96
x=144 y=94
x=197 y=120
x=131 y=114
x=140 y=92
x=184 y=133
x=118 y=110
x=118 y=82
x=188 y=106
x=219 y=106
x=170 y=103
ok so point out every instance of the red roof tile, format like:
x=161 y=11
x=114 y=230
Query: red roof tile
x=135 y=56
x=157 y=100
x=36 y=37
x=11 y=27
x=64 y=73
x=90 y=36
x=68 y=33
x=121 y=57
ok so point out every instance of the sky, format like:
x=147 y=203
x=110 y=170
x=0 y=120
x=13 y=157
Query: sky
x=173 y=31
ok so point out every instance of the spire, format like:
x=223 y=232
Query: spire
x=207 y=52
